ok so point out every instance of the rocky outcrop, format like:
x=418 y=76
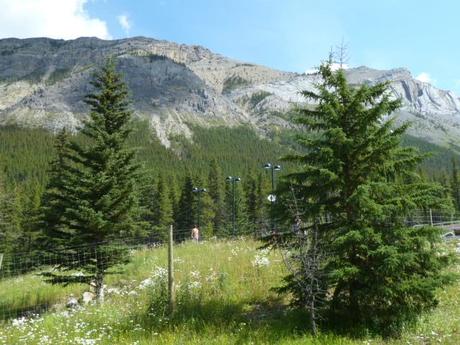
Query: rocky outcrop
x=43 y=83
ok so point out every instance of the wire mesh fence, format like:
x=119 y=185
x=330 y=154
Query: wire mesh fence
x=25 y=278
x=32 y=283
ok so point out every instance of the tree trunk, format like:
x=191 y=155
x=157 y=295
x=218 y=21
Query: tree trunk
x=314 y=328
x=99 y=288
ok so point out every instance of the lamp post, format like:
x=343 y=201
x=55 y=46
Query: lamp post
x=199 y=191
x=272 y=198
x=233 y=180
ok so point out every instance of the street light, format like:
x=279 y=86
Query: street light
x=233 y=180
x=272 y=196
x=199 y=191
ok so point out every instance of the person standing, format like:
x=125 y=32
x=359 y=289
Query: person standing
x=195 y=233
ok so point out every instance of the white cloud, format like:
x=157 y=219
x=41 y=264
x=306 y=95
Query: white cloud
x=125 y=23
x=425 y=78
x=49 y=18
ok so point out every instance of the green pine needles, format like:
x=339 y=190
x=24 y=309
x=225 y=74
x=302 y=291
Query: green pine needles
x=357 y=187
x=92 y=199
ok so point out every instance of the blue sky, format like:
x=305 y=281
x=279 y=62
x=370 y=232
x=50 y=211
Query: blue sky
x=292 y=35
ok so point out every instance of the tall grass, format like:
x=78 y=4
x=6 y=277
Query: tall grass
x=224 y=296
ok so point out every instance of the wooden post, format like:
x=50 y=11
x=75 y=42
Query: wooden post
x=1 y=260
x=431 y=217
x=171 y=287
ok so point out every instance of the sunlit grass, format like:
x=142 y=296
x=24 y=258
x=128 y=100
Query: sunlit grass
x=224 y=296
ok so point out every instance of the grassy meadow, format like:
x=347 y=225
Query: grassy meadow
x=224 y=296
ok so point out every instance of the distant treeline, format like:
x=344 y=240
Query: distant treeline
x=170 y=174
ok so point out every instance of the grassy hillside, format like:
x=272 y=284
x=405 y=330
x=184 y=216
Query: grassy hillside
x=224 y=297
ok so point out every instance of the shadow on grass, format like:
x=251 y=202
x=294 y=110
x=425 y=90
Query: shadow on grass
x=270 y=320
x=8 y=312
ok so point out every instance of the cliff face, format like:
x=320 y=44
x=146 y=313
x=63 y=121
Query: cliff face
x=43 y=82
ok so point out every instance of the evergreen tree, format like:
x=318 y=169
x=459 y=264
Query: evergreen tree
x=203 y=207
x=184 y=214
x=10 y=221
x=378 y=273
x=58 y=196
x=235 y=202
x=93 y=185
x=30 y=215
x=164 y=214
x=216 y=190
x=257 y=189
x=454 y=185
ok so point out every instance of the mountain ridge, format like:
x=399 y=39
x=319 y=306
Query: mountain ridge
x=174 y=86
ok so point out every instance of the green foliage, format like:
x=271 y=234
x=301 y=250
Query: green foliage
x=257 y=189
x=92 y=196
x=232 y=83
x=57 y=75
x=454 y=185
x=438 y=159
x=216 y=192
x=235 y=210
x=224 y=301
x=377 y=274
x=258 y=97
x=185 y=216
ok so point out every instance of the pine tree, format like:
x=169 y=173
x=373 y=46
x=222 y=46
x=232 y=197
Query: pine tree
x=216 y=190
x=378 y=273
x=57 y=197
x=203 y=210
x=93 y=185
x=10 y=229
x=184 y=214
x=164 y=214
x=257 y=189
x=454 y=185
x=30 y=235
x=235 y=202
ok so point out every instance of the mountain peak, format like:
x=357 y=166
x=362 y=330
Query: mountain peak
x=43 y=82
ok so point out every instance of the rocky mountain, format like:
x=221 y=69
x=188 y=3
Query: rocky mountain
x=43 y=83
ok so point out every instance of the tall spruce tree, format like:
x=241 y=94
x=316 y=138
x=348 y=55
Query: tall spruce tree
x=164 y=213
x=9 y=227
x=257 y=189
x=377 y=273
x=184 y=213
x=57 y=197
x=203 y=209
x=216 y=190
x=92 y=196
x=454 y=185
x=235 y=210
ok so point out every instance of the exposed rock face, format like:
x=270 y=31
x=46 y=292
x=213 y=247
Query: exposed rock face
x=43 y=83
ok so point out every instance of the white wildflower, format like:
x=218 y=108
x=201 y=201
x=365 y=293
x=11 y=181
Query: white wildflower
x=260 y=261
x=160 y=273
x=146 y=283
x=195 y=274
x=19 y=322
x=194 y=285
x=114 y=291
